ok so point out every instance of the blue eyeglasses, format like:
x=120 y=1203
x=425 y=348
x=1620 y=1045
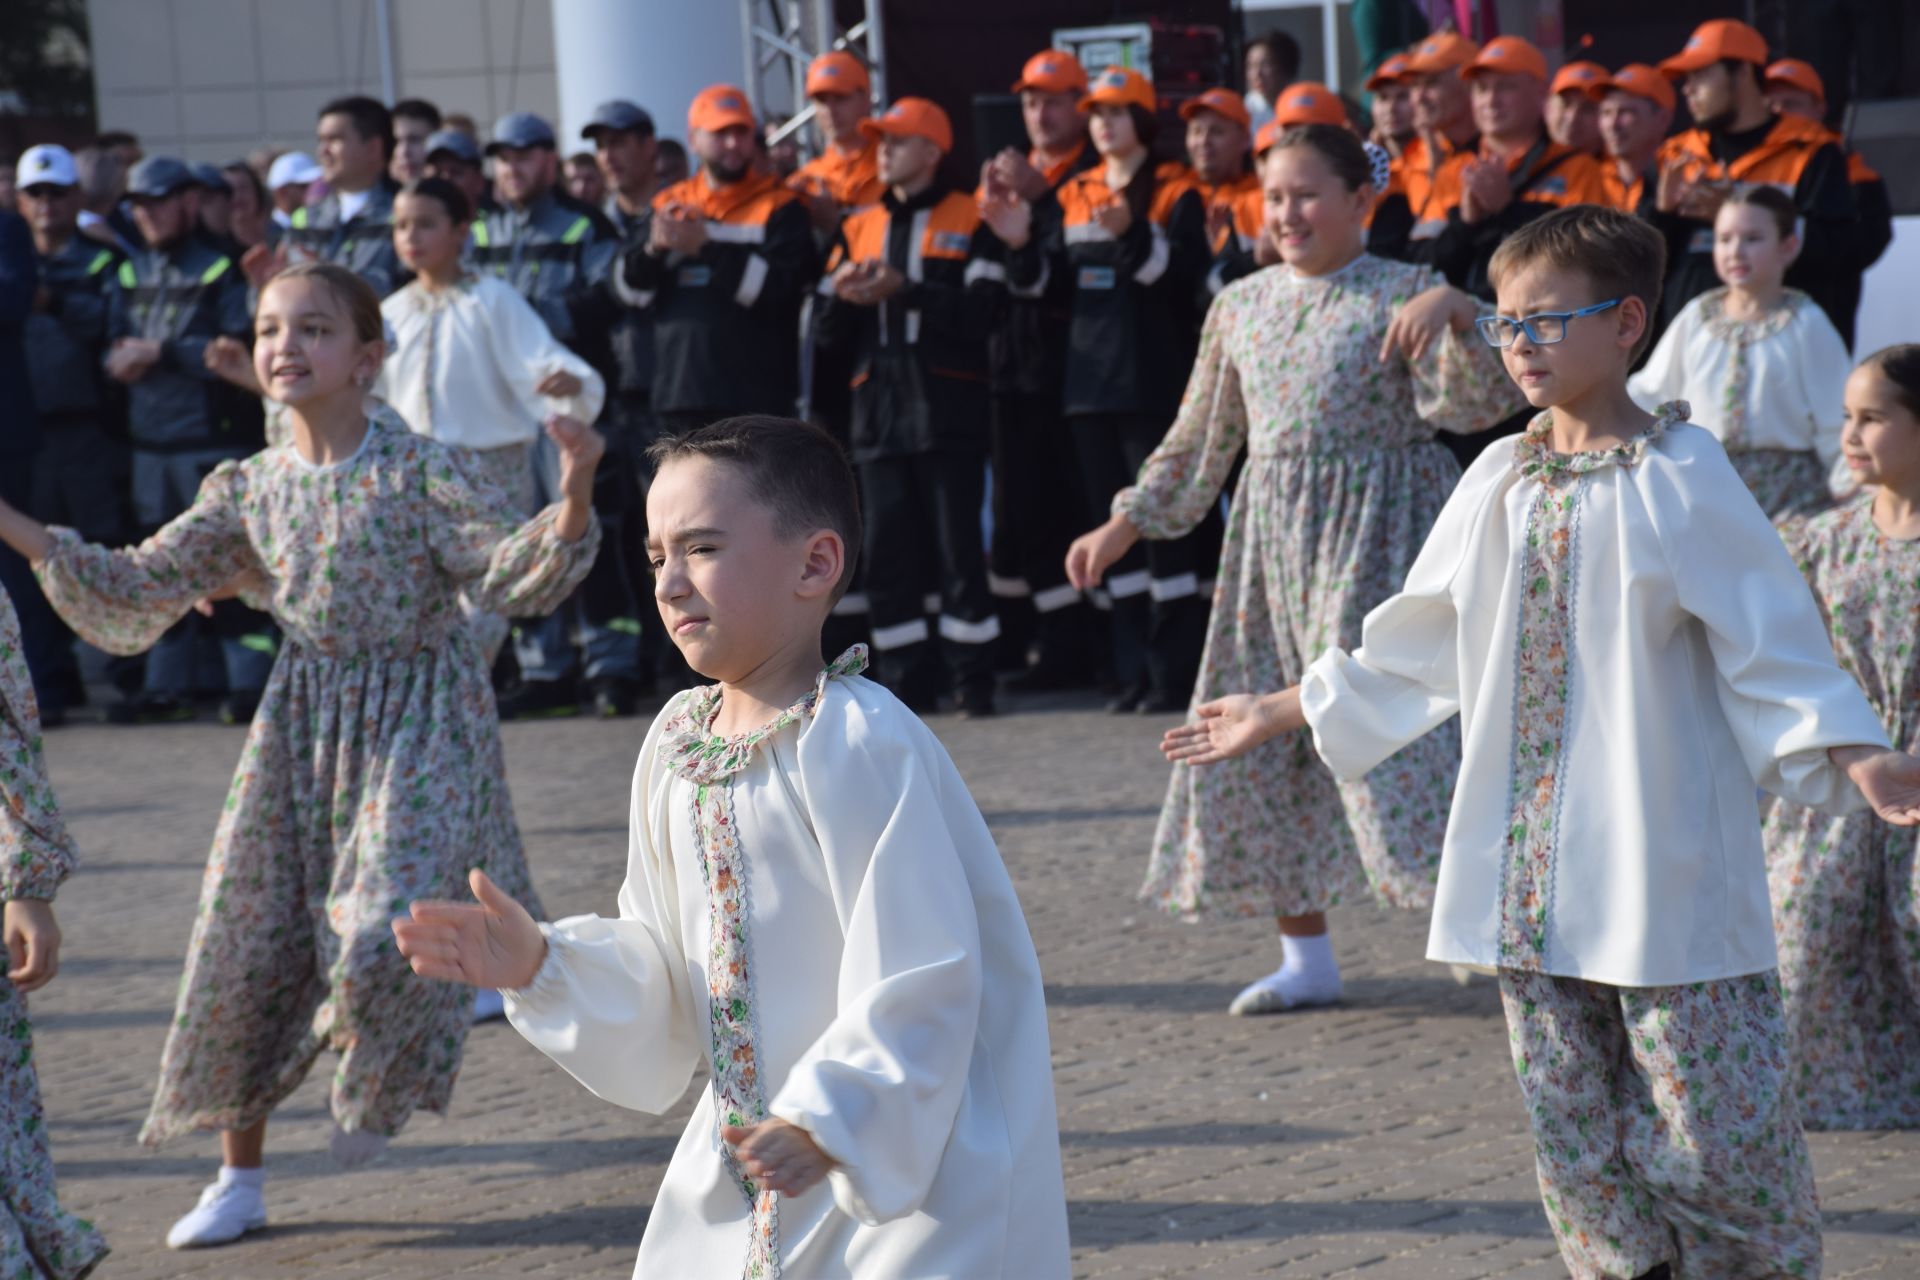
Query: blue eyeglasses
x=1543 y=328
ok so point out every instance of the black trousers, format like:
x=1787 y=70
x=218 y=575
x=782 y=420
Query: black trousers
x=1159 y=610
x=1039 y=502
x=922 y=542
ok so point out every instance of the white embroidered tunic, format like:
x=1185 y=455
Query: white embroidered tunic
x=1777 y=382
x=1694 y=665
x=465 y=362
x=818 y=912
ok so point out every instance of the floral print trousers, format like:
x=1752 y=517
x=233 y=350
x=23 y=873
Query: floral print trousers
x=1664 y=1127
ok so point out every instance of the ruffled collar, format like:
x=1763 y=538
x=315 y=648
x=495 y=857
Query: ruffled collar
x=692 y=750
x=1533 y=458
x=1713 y=315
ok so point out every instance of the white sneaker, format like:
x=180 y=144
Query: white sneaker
x=226 y=1212
x=1286 y=989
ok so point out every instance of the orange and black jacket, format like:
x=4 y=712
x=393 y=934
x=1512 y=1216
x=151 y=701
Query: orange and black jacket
x=853 y=180
x=1802 y=159
x=919 y=359
x=726 y=320
x=1233 y=249
x=1133 y=331
x=1027 y=354
x=1544 y=177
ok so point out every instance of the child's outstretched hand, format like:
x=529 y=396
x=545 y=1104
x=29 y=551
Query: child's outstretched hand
x=492 y=944
x=1232 y=726
x=780 y=1156
x=1890 y=780
x=581 y=448
x=32 y=940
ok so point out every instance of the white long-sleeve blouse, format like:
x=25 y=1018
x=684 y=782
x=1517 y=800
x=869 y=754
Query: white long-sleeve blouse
x=465 y=362
x=1630 y=650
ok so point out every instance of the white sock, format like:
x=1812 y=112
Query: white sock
x=254 y=1180
x=1310 y=958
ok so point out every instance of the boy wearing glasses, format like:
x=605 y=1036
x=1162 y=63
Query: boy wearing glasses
x=1629 y=650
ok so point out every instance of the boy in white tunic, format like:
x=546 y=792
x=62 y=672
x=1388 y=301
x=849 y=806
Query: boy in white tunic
x=813 y=906
x=1630 y=650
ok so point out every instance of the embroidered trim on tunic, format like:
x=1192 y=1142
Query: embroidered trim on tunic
x=1741 y=334
x=694 y=752
x=1534 y=458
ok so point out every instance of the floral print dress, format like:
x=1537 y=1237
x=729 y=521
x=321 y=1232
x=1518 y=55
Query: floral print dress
x=38 y=1240
x=1343 y=480
x=1663 y=1130
x=1846 y=890
x=373 y=773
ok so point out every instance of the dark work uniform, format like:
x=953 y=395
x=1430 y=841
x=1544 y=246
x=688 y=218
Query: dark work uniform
x=1039 y=504
x=183 y=421
x=363 y=243
x=726 y=320
x=919 y=433
x=1131 y=343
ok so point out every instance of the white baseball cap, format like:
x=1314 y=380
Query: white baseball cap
x=46 y=165
x=294 y=169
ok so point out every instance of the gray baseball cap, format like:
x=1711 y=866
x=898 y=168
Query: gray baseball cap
x=208 y=176
x=158 y=176
x=619 y=114
x=520 y=129
x=455 y=143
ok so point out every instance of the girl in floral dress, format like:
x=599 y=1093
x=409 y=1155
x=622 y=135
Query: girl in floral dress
x=1844 y=889
x=1333 y=373
x=1760 y=363
x=373 y=773
x=38 y=1240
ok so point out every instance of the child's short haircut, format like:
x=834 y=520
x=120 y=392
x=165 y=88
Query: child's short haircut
x=1621 y=255
x=793 y=468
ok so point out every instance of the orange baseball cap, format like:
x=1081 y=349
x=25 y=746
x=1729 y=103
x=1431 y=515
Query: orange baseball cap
x=1581 y=76
x=1269 y=134
x=1391 y=71
x=837 y=72
x=1222 y=102
x=912 y=118
x=1120 y=87
x=1717 y=41
x=1308 y=102
x=1508 y=53
x=1798 y=75
x=1448 y=51
x=717 y=107
x=1640 y=80
x=1053 y=71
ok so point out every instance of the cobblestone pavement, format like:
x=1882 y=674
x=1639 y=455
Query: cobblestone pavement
x=1384 y=1138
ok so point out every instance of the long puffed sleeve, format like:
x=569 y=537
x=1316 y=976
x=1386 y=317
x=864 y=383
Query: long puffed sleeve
x=1460 y=384
x=1404 y=679
x=1823 y=366
x=1181 y=480
x=612 y=1004
x=1783 y=693
x=479 y=541
x=1664 y=376
x=36 y=853
x=124 y=600
x=525 y=351
x=881 y=1087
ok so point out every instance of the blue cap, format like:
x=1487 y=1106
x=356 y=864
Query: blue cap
x=619 y=114
x=208 y=176
x=520 y=129
x=455 y=142
x=158 y=176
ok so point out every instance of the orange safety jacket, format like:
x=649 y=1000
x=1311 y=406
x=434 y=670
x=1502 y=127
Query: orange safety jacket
x=852 y=178
x=1028 y=352
x=1542 y=177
